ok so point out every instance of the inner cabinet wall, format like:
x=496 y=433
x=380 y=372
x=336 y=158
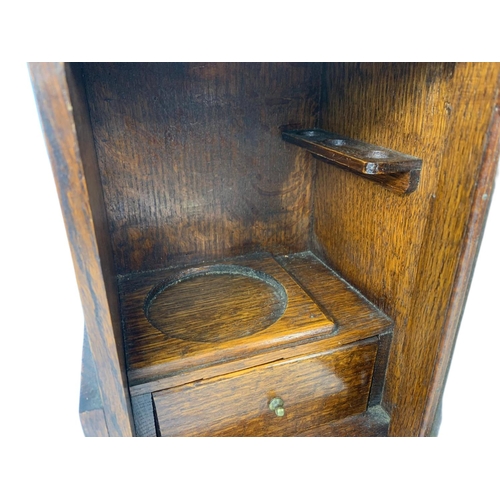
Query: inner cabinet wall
x=192 y=162
x=411 y=255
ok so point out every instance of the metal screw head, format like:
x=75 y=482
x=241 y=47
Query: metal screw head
x=276 y=405
x=280 y=411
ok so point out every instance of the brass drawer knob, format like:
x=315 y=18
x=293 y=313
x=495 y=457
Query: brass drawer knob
x=276 y=405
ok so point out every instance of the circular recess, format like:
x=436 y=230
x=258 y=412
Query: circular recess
x=216 y=303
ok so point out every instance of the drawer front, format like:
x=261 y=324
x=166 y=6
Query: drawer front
x=315 y=389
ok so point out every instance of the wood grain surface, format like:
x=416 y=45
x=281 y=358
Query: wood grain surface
x=393 y=170
x=365 y=158
x=354 y=317
x=403 y=252
x=167 y=165
x=62 y=109
x=192 y=162
x=315 y=389
x=403 y=183
x=471 y=241
x=94 y=423
x=152 y=353
x=374 y=422
x=216 y=304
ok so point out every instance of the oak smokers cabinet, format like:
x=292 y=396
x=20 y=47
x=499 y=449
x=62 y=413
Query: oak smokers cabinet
x=276 y=249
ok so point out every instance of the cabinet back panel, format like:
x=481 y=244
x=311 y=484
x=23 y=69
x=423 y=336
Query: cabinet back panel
x=192 y=162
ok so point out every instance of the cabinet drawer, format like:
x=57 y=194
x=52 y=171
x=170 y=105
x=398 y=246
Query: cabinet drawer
x=315 y=389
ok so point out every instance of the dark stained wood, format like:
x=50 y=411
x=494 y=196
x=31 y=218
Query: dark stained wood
x=192 y=162
x=354 y=318
x=394 y=170
x=368 y=159
x=315 y=389
x=403 y=252
x=160 y=166
x=353 y=314
x=216 y=303
x=61 y=104
x=351 y=311
x=470 y=246
x=153 y=353
x=372 y=423
x=404 y=183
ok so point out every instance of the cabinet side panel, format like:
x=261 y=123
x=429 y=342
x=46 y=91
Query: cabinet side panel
x=69 y=142
x=94 y=423
x=403 y=251
x=467 y=261
x=192 y=160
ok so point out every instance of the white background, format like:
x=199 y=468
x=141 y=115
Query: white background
x=42 y=328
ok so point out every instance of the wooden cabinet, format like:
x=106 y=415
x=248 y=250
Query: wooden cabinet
x=243 y=232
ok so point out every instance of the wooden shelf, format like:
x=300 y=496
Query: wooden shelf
x=199 y=332
x=396 y=171
x=192 y=324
